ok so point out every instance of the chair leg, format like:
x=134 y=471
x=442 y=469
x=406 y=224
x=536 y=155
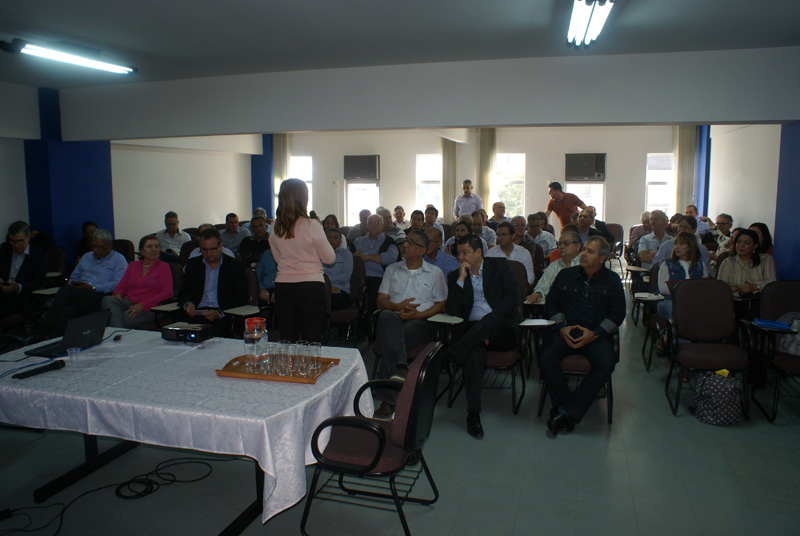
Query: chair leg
x=399 y=505
x=773 y=413
x=451 y=396
x=673 y=406
x=609 y=399
x=420 y=500
x=542 y=398
x=745 y=401
x=309 y=498
x=515 y=404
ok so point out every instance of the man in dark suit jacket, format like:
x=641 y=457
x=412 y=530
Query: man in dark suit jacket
x=23 y=268
x=483 y=291
x=204 y=299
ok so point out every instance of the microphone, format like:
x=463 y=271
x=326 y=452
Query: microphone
x=55 y=365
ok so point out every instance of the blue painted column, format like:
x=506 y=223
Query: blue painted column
x=786 y=238
x=68 y=182
x=703 y=169
x=261 y=173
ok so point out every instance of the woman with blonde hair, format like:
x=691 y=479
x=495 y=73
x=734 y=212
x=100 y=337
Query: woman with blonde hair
x=683 y=263
x=299 y=247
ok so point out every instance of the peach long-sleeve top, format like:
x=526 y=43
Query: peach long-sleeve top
x=299 y=258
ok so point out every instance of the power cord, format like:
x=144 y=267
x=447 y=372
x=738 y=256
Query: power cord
x=136 y=488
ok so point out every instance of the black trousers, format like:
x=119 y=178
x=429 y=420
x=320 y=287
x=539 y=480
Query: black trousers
x=300 y=308
x=602 y=360
x=470 y=350
x=70 y=302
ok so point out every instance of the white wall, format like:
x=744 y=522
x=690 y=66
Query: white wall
x=744 y=173
x=14 y=199
x=19 y=112
x=200 y=186
x=626 y=162
x=695 y=87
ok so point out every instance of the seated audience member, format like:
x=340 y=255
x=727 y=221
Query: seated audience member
x=411 y=292
x=479 y=228
x=196 y=251
x=746 y=270
x=340 y=271
x=389 y=228
x=562 y=203
x=211 y=284
x=638 y=231
x=689 y=225
x=266 y=272
x=462 y=228
x=435 y=256
x=232 y=235
x=417 y=219
x=171 y=238
x=84 y=245
x=259 y=212
x=359 y=230
x=95 y=276
x=431 y=215
x=546 y=226
x=649 y=243
x=585 y=229
x=399 y=218
x=672 y=230
x=520 y=239
x=720 y=232
x=483 y=292
x=764 y=237
x=253 y=247
x=572 y=228
x=535 y=233
x=587 y=304
x=313 y=215
x=498 y=215
x=569 y=249
x=146 y=283
x=467 y=202
x=377 y=251
x=330 y=222
x=683 y=263
x=506 y=248
x=23 y=268
x=601 y=226
x=702 y=226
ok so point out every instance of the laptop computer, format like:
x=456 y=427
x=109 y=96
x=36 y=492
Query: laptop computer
x=82 y=332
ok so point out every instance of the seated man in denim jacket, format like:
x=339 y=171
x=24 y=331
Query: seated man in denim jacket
x=587 y=304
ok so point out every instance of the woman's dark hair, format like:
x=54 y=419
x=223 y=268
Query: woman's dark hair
x=754 y=236
x=292 y=203
x=469 y=229
x=331 y=217
x=766 y=245
x=144 y=240
x=689 y=239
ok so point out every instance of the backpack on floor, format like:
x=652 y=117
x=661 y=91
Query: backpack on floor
x=718 y=399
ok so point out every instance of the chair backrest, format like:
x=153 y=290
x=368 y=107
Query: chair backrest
x=125 y=248
x=703 y=310
x=616 y=230
x=358 y=279
x=653 y=284
x=186 y=249
x=521 y=276
x=721 y=257
x=192 y=231
x=413 y=416
x=57 y=259
x=220 y=226
x=779 y=298
x=449 y=230
x=177 y=277
x=252 y=287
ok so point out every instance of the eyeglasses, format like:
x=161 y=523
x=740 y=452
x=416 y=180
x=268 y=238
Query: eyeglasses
x=565 y=244
x=16 y=240
x=720 y=223
x=414 y=243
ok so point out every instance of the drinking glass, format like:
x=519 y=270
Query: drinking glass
x=283 y=367
x=254 y=330
x=302 y=358
x=315 y=357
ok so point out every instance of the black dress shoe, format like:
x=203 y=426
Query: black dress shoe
x=554 y=412
x=560 y=424
x=474 y=427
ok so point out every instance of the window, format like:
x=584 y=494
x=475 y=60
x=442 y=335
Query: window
x=361 y=195
x=299 y=168
x=429 y=181
x=591 y=193
x=508 y=184
x=660 y=179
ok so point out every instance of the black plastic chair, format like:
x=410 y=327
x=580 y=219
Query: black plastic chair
x=378 y=449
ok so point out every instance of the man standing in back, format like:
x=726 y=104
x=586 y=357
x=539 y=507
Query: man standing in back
x=467 y=202
x=563 y=204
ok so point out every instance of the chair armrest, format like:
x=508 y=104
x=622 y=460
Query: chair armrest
x=358 y=423
x=384 y=383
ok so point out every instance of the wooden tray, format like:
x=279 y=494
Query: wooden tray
x=236 y=368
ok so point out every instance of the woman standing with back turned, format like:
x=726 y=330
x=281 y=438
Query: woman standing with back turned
x=298 y=245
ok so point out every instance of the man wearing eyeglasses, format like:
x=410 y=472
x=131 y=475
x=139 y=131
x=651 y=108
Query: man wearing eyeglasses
x=444 y=261
x=411 y=291
x=22 y=268
x=569 y=247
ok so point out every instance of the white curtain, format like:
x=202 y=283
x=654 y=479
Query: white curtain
x=280 y=158
x=685 y=150
x=450 y=183
x=487 y=151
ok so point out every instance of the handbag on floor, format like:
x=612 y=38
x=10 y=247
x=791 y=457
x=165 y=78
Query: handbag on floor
x=718 y=399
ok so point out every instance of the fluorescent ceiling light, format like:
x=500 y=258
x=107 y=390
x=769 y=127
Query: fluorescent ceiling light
x=56 y=55
x=588 y=18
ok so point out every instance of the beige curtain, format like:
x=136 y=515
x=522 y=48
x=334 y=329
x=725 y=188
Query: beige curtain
x=450 y=183
x=487 y=151
x=280 y=158
x=685 y=151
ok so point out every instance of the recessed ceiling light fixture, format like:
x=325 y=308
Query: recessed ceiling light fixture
x=20 y=46
x=588 y=18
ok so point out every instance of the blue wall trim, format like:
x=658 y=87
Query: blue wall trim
x=703 y=169
x=261 y=173
x=786 y=237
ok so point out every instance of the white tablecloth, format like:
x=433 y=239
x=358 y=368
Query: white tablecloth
x=149 y=390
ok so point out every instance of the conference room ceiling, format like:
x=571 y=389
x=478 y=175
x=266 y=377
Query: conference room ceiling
x=177 y=39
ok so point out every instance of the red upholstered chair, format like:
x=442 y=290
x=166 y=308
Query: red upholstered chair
x=703 y=314
x=366 y=447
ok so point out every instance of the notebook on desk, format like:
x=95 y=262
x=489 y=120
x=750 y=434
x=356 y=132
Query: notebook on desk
x=82 y=332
